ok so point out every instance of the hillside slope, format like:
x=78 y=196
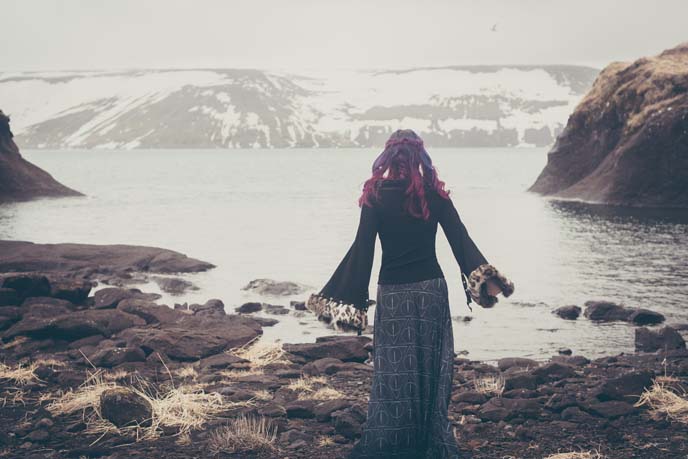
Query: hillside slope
x=627 y=141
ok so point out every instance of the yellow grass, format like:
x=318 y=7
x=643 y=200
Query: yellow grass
x=85 y=397
x=664 y=398
x=186 y=372
x=261 y=354
x=307 y=384
x=244 y=433
x=262 y=395
x=323 y=393
x=577 y=455
x=20 y=374
x=234 y=374
x=489 y=385
x=325 y=441
x=115 y=375
x=13 y=398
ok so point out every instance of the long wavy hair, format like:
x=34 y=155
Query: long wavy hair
x=404 y=157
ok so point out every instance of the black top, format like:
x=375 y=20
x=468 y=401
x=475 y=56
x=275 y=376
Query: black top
x=408 y=245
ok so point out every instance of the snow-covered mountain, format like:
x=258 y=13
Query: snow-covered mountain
x=239 y=108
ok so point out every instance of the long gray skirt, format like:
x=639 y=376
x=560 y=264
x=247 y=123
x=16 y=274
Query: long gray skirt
x=412 y=379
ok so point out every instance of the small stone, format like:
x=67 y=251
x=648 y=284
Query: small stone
x=124 y=407
x=568 y=312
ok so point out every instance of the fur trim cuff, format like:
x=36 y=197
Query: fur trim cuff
x=477 y=285
x=342 y=316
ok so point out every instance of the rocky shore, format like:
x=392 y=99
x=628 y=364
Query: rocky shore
x=112 y=373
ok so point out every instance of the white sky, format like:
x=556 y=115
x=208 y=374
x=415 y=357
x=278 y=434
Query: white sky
x=322 y=34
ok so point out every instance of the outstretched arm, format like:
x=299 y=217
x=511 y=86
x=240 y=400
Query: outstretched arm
x=479 y=277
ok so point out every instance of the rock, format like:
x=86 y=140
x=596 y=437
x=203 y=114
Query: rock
x=324 y=366
x=195 y=337
x=574 y=414
x=624 y=143
x=345 y=348
x=606 y=311
x=346 y=424
x=568 y=312
x=124 y=407
x=107 y=259
x=469 y=396
x=298 y=305
x=520 y=381
x=212 y=307
x=75 y=325
x=610 y=409
x=553 y=371
x=324 y=410
x=152 y=313
x=110 y=297
x=646 y=317
x=39 y=435
x=174 y=285
x=73 y=291
x=46 y=300
x=8 y=297
x=8 y=316
x=498 y=409
x=509 y=362
x=564 y=351
x=300 y=409
x=27 y=285
x=222 y=361
x=20 y=180
x=574 y=360
x=266 y=321
x=275 y=309
x=272 y=410
x=647 y=340
x=627 y=387
x=273 y=288
x=113 y=356
x=247 y=308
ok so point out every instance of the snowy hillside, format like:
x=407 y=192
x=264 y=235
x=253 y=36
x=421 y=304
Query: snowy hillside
x=225 y=108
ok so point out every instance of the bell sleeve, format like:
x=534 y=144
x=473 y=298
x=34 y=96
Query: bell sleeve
x=345 y=298
x=475 y=269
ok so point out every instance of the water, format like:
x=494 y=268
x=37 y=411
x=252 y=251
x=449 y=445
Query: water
x=292 y=215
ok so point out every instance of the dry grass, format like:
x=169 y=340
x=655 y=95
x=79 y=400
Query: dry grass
x=13 y=398
x=183 y=408
x=234 y=374
x=20 y=374
x=261 y=354
x=244 y=433
x=84 y=398
x=577 y=455
x=489 y=385
x=186 y=372
x=325 y=441
x=323 y=393
x=262 y=395
x=15 y=342
x=116 y=375
x=664 y=398
x=307 y=384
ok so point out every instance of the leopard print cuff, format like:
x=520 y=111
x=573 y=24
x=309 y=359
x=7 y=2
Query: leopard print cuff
x=341 y=316
x=477 y=285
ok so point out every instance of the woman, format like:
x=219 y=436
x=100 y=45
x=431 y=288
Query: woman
x=403 y=202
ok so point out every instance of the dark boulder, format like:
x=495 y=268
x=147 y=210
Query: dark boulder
x=8 y=297
x=27 y=285
x=627 y=387
x=248 y=308
x=123 y=407
x=110 y=297
x=113 y=356
x=151 y=312
x=606 y=311
x=222 y=361
x=521 y=362
x=553 y=371
x=568 y=312
x=174 y=285
x=74 y=291
x=646 y=317
x=610 y=409
x=213 y=308
x=345 y=348
x=647 y=340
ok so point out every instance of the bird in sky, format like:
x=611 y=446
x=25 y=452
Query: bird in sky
x=494 y=27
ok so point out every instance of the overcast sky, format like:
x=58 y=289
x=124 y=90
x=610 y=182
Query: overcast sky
x=321 y=34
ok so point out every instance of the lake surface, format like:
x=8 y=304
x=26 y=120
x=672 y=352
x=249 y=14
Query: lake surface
x=292 y=215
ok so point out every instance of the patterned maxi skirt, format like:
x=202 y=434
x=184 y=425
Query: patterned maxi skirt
x=412 y=378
